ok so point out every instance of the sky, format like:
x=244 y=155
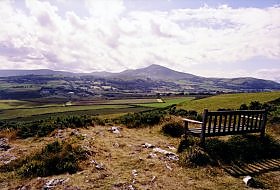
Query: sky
x=214 y=38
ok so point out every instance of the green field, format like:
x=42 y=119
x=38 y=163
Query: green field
x=167 y=102
x=24 y=110
x=29 y=110
x=228 y=101
x=16 y=104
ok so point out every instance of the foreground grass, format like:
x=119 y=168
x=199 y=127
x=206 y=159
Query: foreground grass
x=122 y=154
x=229 y=101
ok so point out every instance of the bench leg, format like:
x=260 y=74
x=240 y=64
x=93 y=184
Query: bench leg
x=186 y=129
x=262 y=134
x=202 y=142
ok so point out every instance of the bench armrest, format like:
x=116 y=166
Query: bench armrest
x=192 y=121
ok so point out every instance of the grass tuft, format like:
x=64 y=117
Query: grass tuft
x=55 y=158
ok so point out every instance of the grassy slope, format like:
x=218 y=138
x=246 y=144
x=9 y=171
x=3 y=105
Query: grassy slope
x=232 y=101
x=167 y=102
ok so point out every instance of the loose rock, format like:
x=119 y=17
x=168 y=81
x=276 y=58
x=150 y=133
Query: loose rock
x=7 y=158
x=148 y=145
x=134 y=173
x=168 y=154
x=98 y=166
x=152 y=155
x=4 y=144
x=115 y=130
x=54 y=182
x=168 y=167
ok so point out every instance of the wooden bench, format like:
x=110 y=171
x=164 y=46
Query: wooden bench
x=222 y=123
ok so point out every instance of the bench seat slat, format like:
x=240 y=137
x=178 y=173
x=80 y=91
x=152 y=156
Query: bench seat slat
x=222 y=123
x=197 y=132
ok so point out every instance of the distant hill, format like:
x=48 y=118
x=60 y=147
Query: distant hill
x=7 y=73
x=155 y=72
x=160 y=77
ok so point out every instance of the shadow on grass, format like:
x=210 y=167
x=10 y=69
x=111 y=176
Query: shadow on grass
x=239 y=155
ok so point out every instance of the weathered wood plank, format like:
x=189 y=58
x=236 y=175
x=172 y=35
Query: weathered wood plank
x=222 y=123
x=215 y=124
x=225 y=123
x=234 y=122
x=239 y=121
x=229 y=121
x=209 y=123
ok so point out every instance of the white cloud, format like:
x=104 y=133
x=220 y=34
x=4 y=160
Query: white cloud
x=114 y=38
x=108 y=9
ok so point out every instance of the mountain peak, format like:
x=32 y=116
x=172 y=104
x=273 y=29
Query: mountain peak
x=156 y=72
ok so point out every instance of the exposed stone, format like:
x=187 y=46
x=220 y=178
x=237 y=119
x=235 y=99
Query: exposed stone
x=148 y=145
x=134 y=173
x=98 y=166
x=152 y=155
x=130 y=187
x=168 y=167
x=153 y=178
x=171 y=147
x=24 y=187
x=115 y=130
x=116 y=145
x=7 y=158
x=75 y=132
x=60 y=134
x=168 y=154
x=4 y=144
x=54 y=182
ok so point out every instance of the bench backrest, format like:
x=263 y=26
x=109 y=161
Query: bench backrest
x=218 y=122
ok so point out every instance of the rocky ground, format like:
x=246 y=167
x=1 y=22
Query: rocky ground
x=121 y=158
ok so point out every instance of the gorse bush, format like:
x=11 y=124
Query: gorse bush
x=55 y=158
x=191 y=114
x=148 y=118
x=245 y=148
x=174 y=129
x=256 y=105
x=185 y=143
x=272 y=107
x=153 y=117
x=194 y=156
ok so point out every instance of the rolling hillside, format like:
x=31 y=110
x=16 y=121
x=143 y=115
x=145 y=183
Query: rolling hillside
x=157 y=79
x=228 y=101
